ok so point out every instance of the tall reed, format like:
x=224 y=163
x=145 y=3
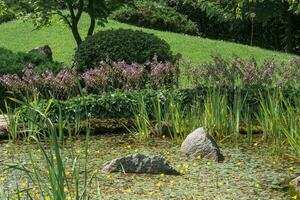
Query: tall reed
x=270 y=117
x=291 y=121
x=62 y=181
x=216 y=114
x=13 y=120
x=142 y=121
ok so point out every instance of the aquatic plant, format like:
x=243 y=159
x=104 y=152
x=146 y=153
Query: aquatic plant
x=60 y=181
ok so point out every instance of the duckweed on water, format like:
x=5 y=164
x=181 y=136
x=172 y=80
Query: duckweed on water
x=249 y=172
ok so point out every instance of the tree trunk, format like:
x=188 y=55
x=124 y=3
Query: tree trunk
x=91 y=12
x=76 y=34
x=75 y=20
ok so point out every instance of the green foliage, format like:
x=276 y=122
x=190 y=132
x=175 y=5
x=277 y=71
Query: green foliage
x=111 y=105
x=285 y=12
x=5 y=14
x=155 y=15
x=113 y=5
x=61 y=182
x=267 y=23
x=11 y=9
x=6 y=17
x=267 y=9
x=121 y=45
x=221 y=10
x=44 y=10
x=196 y=49
x=14 y=63
x=278 y=117
x=224 y=111
x=121 y=104
x=69 y=11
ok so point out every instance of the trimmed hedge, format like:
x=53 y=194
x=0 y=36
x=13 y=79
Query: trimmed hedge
x=156 y=16
x=121 y=45
x=120 y=105
x=116 y=105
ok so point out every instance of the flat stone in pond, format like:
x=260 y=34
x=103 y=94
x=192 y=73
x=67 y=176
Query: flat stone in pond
x=200 y=143
x=139 y=163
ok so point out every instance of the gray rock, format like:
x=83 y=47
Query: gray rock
x=44 y=50
x=200 y=143
x=296 y=184
x=3 y=134
x=139 y=163
x=3 y=127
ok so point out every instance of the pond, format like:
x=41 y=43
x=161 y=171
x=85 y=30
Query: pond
x=248 y=172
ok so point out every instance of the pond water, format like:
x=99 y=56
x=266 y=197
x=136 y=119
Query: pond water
x=248 y=172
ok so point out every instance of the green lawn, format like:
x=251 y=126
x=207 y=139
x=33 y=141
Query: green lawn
x=20 y=36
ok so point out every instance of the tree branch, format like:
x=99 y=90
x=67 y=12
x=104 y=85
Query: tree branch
x=80 y=10
x=65 y=18
x=91 y=12
x=71 y=9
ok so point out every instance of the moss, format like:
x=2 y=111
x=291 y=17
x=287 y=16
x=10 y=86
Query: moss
x=102 y=126
x=256 y=130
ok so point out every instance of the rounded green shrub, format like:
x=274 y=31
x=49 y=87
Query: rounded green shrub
x=14 y=62
x=156 y=16
x=121 y=45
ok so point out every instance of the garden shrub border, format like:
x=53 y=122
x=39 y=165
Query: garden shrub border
x=120 y=104
x=155 y=15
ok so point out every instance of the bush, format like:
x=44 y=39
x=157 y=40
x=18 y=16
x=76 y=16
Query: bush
x=112 y=5
x=155 y=15
x=219 y=24
x=15 y=63
x=6 y=17
x=9 y=8
x=117 y=104
x=122 y=104
x=218 y=21
x=126 y=45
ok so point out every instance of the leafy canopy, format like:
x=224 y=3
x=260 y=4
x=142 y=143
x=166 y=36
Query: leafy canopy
x=44 y=10
x=267 y=9
x=41 y=12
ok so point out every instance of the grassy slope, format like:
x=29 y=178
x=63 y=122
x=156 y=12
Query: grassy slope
x=20 y=36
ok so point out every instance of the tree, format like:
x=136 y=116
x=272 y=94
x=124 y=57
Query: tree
x=267 y=10
x=70 y=11
x=3 y=8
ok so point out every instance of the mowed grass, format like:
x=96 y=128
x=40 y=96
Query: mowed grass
x=21 y=36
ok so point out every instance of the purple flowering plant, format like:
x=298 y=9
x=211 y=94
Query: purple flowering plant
x=107 y=77
x=243 y=73
x=60 y=85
